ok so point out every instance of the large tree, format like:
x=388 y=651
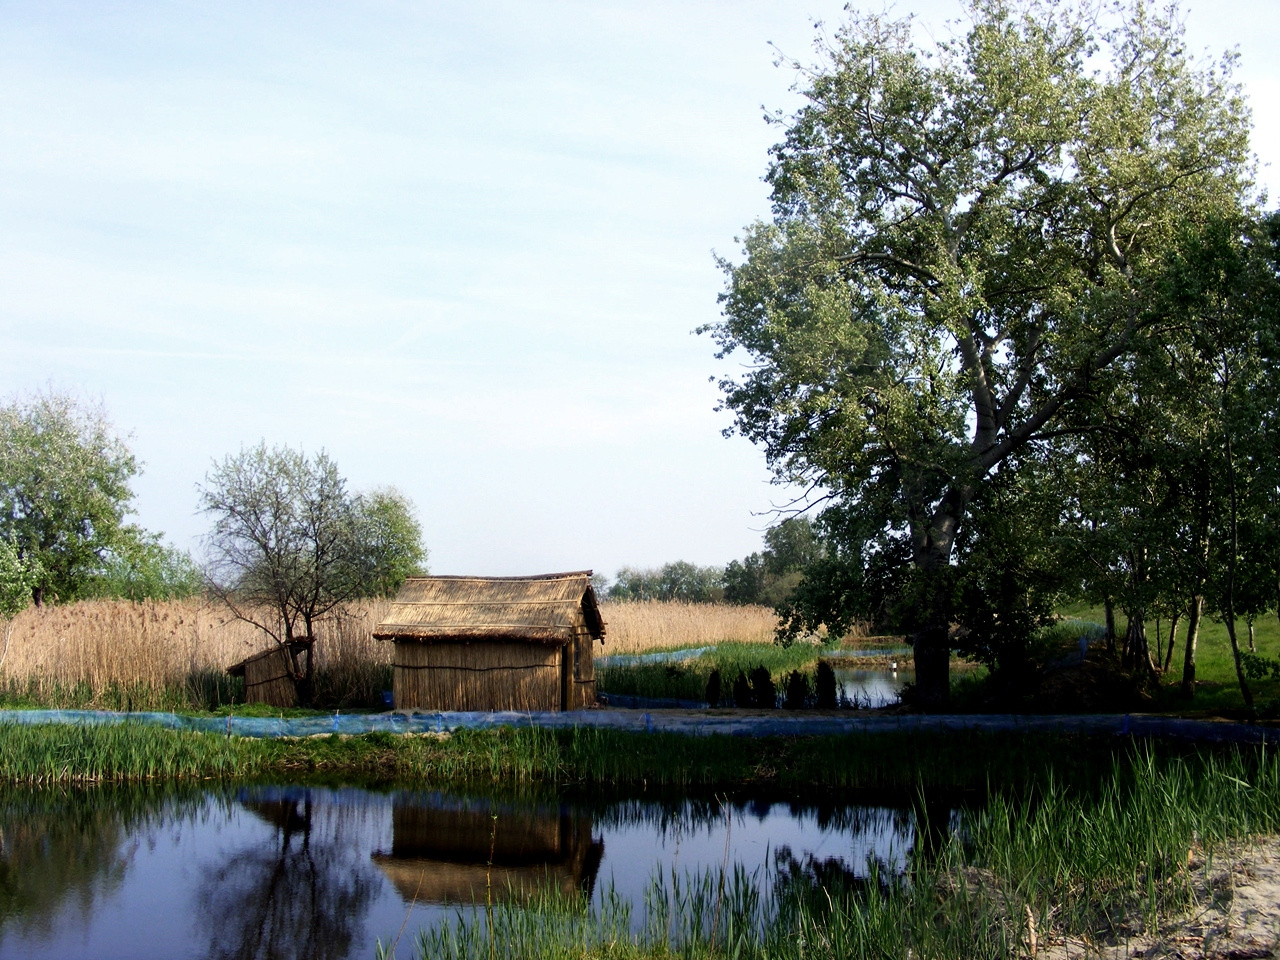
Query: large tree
x=64 y=489
x=965 y=238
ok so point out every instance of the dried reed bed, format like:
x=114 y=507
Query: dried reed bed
x=113 y=654
x=108 y=653
x=655 y=625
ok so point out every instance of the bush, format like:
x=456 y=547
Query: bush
x=763 y=693
x=741 y=691
x=713 y=689
x=825 y=684
x=797 y=691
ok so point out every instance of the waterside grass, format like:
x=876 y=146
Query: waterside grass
x=1116 y=865
x=956 y=761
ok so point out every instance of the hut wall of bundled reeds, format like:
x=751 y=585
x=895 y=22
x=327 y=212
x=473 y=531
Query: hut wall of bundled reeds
x=270 y=677
x=494 y=643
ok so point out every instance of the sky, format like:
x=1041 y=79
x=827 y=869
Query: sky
x=461 y=246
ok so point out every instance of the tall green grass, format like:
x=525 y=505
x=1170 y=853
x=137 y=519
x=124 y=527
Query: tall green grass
x=687 y=680
x=1106 y=864
x=48 y=753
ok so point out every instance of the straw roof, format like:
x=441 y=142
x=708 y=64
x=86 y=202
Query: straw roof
x=543 y=609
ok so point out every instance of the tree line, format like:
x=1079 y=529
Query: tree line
x=289 y=542
x=765 y=577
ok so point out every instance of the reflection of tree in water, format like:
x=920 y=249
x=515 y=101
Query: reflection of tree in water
x=303 y=894
x=63 y=848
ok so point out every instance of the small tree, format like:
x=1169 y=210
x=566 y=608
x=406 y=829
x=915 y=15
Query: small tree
x=64 y=489
x=290 y=545
x=280 y=550
x=388 y=541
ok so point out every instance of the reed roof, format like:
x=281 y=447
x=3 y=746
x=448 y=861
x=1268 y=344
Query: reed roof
x=541 y=609
x=295 y=646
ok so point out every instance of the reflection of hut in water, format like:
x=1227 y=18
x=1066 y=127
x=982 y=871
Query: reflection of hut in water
x=272 y=676
x=494 y=643
x=454 y=855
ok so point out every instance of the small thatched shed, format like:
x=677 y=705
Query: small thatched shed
x=272 y=676
x=494 y=643
x=463 y=855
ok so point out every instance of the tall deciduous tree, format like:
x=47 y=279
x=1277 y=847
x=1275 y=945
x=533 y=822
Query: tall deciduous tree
x=964 y=239
x=64 y=488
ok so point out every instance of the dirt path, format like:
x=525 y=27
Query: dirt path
x=1236 y=917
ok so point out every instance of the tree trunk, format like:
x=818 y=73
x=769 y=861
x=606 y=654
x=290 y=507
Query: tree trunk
x=933 y=665
x=37 y=596
x=1137 y=652
x=1189 y=653
x=1231 y=582
x=1110 y=608
x=1253 y=646
x=1173 y=636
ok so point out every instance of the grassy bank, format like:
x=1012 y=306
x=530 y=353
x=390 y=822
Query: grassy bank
x=956 y=761
x=1118 y=864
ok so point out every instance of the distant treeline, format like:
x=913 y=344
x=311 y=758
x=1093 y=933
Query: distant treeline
x=767 y=577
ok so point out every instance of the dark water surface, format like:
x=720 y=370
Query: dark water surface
x=316 y=872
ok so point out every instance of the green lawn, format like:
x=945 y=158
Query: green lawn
x=1216 y=689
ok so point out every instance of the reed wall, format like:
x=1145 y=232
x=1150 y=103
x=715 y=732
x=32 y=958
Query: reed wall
x=477 y=676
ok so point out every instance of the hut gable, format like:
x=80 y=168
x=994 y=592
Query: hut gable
x=542 y=609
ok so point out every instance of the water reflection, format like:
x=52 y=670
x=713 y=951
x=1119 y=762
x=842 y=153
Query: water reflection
x=302 y=894
x=60 y=854
x=446 y=851
x=872 y=688
x=315 y=872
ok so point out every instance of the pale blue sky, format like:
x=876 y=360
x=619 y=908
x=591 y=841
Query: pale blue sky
x=462 y=246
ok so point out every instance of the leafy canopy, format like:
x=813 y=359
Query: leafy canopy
x=965 y=238
x=64 y=489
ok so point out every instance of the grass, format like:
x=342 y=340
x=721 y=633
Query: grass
x=1106 y=863
x=1217 y=690
x=687 y=680
x=117 y=655
x=589 y=758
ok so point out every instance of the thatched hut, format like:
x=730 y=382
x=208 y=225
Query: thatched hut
x=463 y=853
x=494 y=643
x=272 y=676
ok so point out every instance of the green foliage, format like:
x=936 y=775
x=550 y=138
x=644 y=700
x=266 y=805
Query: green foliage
x=968 y=240
x=289 y=538
x=18 y=577
x=388 y=541
x=64 y=489
x=143 y=568
x=769 y=577
x=679 y=581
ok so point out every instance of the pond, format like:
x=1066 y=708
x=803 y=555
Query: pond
x=316 y=872
x=872 y=688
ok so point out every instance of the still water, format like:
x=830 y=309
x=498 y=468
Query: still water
x=872 y=688
x=313 y=872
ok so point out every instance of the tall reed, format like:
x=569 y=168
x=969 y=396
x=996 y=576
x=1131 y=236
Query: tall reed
x=1120 y=862
x=114 y=654
x=650 y=625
